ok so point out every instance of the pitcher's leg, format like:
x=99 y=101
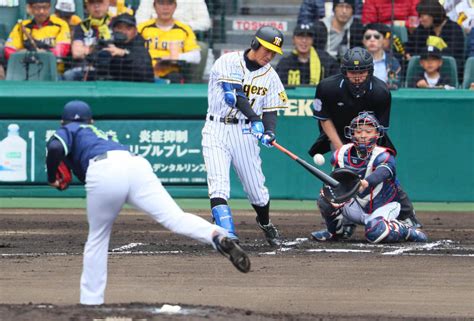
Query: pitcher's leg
x=106 y=194
x=148 y=194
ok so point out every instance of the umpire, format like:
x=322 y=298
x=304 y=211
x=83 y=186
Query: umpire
x=342 y=97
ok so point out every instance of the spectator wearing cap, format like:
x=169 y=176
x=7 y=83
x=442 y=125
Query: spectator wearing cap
x=431 y=77
x=437 y=30
x=193 y=13
x=126 y=59
x=86 y=37
x=386 y=66
x=46 y=32
x=170 y=42
x=340 y=31
x=380 y=11
x=305 y=65
x=65 y=10
x=311 y=11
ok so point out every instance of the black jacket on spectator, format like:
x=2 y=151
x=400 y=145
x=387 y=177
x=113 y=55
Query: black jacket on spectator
x=451 y=33
x=136 y=66
x=442 y=81
x=291 y=70
x=470 y=44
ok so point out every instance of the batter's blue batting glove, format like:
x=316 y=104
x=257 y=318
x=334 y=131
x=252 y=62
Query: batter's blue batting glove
x=230 y=98
x=267 y=139
x=257 y=129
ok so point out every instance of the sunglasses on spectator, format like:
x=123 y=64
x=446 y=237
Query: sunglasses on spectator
x=370 y=35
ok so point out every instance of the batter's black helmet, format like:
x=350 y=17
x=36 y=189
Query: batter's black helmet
x=268 y=37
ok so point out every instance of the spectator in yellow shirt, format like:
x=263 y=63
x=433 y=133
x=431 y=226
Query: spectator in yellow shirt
x=170 y=42
x=43 y=32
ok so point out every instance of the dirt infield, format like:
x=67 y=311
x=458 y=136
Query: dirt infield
x=41 y=257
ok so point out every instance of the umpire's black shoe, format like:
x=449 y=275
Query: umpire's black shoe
x=231 y=250
x=348 y=231
x=407 y=211
x=411 y=221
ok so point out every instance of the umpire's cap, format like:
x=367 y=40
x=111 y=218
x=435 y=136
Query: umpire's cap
x=77 y=110
x=270 y=38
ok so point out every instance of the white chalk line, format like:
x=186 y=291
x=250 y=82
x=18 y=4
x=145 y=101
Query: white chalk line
x=402 y=249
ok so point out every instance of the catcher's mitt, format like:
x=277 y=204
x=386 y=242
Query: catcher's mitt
x=349 y=183
x=63 y=176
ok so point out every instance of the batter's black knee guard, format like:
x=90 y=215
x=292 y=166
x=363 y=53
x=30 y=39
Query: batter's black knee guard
x=332 y=216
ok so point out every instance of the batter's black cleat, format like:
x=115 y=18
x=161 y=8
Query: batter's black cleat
x=231 y=250
x=271 y=234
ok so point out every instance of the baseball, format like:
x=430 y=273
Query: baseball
x=319 y=159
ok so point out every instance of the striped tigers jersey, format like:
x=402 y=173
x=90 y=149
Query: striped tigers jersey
x=263 y=87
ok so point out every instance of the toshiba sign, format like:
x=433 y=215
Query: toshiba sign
x=253 y=25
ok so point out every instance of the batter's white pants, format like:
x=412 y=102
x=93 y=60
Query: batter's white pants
x=225 y=144
x=355 y=214
x=110 y=183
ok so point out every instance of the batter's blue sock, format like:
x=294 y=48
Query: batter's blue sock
x=223 y=217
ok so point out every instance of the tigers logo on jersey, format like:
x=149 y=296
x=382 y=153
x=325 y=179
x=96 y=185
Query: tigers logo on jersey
x=255 y=90
x=283 y=96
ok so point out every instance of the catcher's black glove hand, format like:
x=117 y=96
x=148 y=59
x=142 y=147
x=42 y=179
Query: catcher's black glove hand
x=349 y=183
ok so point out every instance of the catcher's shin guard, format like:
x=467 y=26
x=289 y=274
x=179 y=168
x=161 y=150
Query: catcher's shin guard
x=333 y=218
x=381 y=230
x=222 y=216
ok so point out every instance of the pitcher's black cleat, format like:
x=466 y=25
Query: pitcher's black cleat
x=230 y=249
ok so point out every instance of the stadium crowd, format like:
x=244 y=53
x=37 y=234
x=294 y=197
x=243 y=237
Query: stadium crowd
x=414 y=43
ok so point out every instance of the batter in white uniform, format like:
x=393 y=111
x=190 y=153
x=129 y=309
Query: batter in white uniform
x=244 y=96
x=113 y=177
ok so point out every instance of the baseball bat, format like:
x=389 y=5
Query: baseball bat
x=310 y=168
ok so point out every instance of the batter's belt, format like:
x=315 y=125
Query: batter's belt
x=228 y=120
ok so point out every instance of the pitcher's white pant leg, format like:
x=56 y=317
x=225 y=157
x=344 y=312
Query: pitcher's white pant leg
x=389 y=211
x=148 y=194
x=248 y=165
x=106 y=194
x=217 y=159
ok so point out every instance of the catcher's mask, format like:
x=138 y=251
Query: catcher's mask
x=357 y=59
x=365 y=147
x=268 y=37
